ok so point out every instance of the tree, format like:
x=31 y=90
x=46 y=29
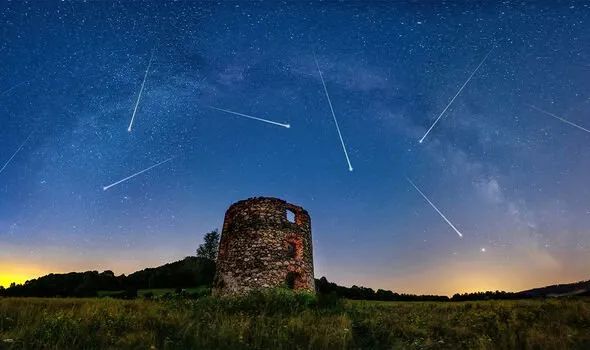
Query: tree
x=208 y=249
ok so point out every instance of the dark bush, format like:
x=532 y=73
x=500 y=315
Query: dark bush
x=329 y=301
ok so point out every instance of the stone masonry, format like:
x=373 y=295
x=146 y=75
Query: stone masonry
x=265 y=243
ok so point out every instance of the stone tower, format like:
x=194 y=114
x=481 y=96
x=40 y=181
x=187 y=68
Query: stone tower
x=265 y=243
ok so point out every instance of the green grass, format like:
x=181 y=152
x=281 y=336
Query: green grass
x=283 y=320
x=108 y=293
x=156 y=292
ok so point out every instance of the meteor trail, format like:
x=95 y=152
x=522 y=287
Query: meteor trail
x=137 y=173
x=14 y=87
x=333 y=114
x=457 y=94
x=559 y=118
x=14 y=154
x=251 y=117
x=435 y=208
x=140 y=92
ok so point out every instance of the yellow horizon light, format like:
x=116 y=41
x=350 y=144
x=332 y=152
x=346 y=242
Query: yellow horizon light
x=17 y=274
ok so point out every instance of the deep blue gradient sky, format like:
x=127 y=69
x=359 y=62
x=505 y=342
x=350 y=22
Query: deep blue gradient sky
x=513 y=180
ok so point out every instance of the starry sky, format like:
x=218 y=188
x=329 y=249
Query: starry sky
x=500 y=164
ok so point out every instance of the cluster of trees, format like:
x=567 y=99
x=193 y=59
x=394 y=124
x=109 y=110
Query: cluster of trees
x=362 y=293
x=189 y=272
x=73 y=284
x=497 y=295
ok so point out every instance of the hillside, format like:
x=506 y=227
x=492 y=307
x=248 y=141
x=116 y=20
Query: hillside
x=189 y=272
x=559 y=290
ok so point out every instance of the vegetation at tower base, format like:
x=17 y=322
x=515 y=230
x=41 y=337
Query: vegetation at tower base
x=283 y=319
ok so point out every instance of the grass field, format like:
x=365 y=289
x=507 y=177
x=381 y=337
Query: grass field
x=282 y=320
x=156 y=292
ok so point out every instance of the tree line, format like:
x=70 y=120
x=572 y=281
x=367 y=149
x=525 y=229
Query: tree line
x=189 y=272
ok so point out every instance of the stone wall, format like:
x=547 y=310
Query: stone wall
x=261 y=248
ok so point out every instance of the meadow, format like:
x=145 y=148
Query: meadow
x=285 y=320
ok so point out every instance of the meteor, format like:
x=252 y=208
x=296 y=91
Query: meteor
x=457 y=94
x=140 y=92
x=15 y=153
x=333 y=114
x=251 y=117
x=14 y=87
x=559 y=118
x=435 y=208
x=137 y=173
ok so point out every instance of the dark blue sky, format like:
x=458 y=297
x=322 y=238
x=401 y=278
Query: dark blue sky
x=512 y=179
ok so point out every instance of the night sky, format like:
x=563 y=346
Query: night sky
x=499 y=165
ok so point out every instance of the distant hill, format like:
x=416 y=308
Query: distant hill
x=581 y=288
x=189 y=272
x=559 y=290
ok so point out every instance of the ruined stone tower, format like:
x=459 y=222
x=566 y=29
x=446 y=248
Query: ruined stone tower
x=265 y=242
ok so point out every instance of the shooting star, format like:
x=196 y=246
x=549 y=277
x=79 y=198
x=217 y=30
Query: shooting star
x=137 y=173
x=435 y=208
x=251 y=117
x=333 y=114
x=140 y=92
x=559 y=118
x=457 y=94
x=15 y=153
x=14 y=87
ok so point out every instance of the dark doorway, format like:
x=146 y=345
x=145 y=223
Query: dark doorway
x=291 y=280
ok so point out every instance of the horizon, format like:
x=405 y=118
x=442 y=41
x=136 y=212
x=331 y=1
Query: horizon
x=6 y=283
x=439 y=148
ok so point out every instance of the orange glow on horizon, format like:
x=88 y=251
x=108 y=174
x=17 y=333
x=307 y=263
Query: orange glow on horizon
x=472 y=273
